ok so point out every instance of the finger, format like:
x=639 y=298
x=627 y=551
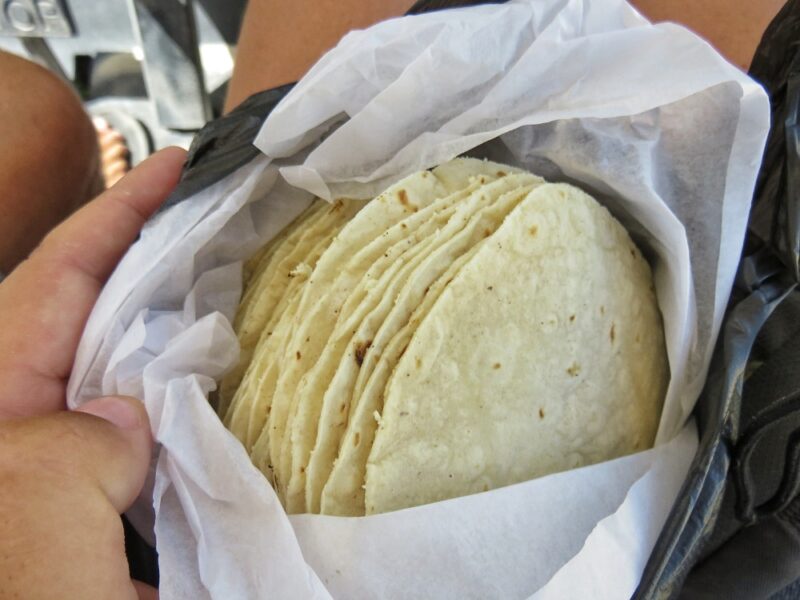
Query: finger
x=94 y=239
x=118 y=425
x=110 y=135
x=105 y=445
x=66 y=478
x=117 y=166
x=47 y=299
x=114 y=152
x=100 y=123
x=145 y=591
x=111 y=138
x=114 y=171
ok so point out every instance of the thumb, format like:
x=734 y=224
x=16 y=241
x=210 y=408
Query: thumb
x=65 y=478
x=105 y=445
x=118 y=446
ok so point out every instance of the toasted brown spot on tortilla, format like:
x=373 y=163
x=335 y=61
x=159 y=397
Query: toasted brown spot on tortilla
x=571 y=318
x=356 y=439
x=361 y=351
x=496 y=366
x=501 y=173
x=534 y=229
x=611 y=333
x=487 y=232
x=402 y=196
x=574 y=369
x=541 y=413
x=602 y=310
x=490 y=288
x=342 y=407
x=298 y=355
x=418 y=362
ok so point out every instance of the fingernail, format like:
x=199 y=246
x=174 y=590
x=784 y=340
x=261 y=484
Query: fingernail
x=121 y=413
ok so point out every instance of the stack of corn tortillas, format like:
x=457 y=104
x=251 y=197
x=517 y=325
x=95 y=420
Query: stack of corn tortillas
x=471 y=327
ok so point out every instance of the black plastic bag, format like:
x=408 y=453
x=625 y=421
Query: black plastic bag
x=734 y=531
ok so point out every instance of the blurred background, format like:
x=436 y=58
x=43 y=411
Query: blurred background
x=156 y=70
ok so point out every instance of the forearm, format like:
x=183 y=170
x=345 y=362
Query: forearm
x=734 y=28
x=281 y=39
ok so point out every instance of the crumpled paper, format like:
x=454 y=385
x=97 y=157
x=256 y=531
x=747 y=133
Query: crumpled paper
x=649 y=119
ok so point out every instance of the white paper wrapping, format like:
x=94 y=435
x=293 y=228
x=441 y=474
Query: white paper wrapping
x=647 y=118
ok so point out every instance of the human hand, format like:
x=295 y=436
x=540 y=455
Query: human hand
x=46 y=300
x=66 y=477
